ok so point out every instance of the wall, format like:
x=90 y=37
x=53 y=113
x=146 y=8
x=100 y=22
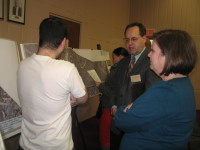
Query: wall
x=102 y=22
x=173 y=14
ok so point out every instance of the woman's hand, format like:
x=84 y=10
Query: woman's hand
x=128 y=107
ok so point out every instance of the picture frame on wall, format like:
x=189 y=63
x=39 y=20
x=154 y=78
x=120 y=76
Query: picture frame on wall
x=1 y=9
x=16 y=11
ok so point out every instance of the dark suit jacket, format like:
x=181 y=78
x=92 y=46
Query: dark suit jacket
x=124 y=92
x=104 y=88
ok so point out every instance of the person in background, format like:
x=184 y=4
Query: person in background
x=104 y=88
x=45 y=87
x=163 y=117
x=133 y=75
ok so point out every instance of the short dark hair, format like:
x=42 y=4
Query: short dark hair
x=141 y=27
x=179 y=50
x=120 y=51
x=52 y=31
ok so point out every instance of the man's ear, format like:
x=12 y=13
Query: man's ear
x=61 y=47
x=144 y=38
x=63 y=43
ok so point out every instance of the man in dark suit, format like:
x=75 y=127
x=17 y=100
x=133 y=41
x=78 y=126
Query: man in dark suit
x=133 y=76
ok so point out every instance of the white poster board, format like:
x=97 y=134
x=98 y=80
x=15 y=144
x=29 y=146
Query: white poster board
x=9 y=62
x=93 y=55
x=10 y=111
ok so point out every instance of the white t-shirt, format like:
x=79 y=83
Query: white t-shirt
x=44 y=87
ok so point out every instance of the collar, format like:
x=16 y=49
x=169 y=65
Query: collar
x=138 y=55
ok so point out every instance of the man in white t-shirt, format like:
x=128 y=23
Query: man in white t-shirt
x=47 y=87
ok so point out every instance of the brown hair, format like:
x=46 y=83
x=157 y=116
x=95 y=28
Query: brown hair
x=179 y=50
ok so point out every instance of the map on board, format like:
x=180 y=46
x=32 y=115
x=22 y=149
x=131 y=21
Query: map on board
x=83 y=65
x=10 y=115
x=28 y=49
x=84 y=60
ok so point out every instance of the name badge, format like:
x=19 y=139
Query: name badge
x=135 y=78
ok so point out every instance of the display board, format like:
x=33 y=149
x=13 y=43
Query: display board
x=28 y=49
x=10 y=111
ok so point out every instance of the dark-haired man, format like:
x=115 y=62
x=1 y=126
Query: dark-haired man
x=45 y=88
x=133 y=76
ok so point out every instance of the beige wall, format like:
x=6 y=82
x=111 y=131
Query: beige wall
x=172 y=14
x=102 y=22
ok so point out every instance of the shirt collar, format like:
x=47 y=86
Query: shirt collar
x=138 y=55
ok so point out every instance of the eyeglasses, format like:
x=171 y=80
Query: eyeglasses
x=132 y=39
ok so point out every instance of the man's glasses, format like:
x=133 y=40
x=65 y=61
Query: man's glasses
x=132 y=39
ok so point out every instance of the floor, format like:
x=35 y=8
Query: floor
x=86 y=135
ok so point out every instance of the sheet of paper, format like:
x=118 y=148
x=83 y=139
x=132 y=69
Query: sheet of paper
x=94 y=75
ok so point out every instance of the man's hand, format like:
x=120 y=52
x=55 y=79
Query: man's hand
x=73 y=100
x=97 y=83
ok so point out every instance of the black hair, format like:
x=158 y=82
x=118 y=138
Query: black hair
x=120 y=51
x=141 y=27
x=52 y=32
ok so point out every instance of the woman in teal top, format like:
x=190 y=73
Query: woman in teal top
x=162 y=118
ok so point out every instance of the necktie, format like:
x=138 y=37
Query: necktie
x=132 y=62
